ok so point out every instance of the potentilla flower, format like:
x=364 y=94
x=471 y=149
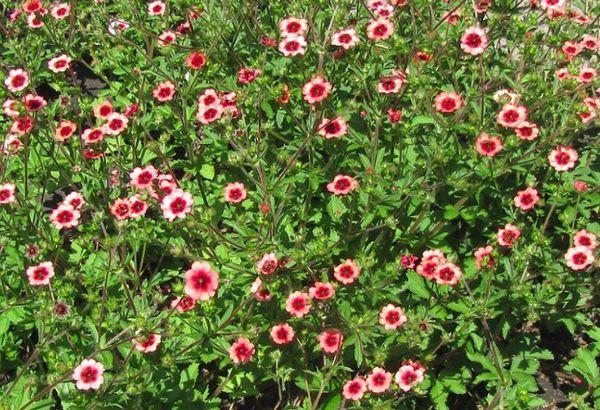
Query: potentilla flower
x=282 y=334
x=409 y=376
x=526 y=199
x=137 y=207
x=268 y=264
x=32 y=6
x=143 y=178
x=89 y=375
x=33 y=21
x=331 y=341
x=512 y=116
x=206 y=115
x=156 y=8
x=379 y=380
x=447 y=102
x=505 y=96
x=316 y=90
x=65 y=216
x=452 y=17
x=592 y=103
x=423 y=56
x=354 y=389
x=321 y=291
x=60 y=11
x=293 y=26
x=195 y=60
x=563 y=158
x=259 y=291
x=61 y=309
x=430 y=254
x=116 y=26
x=60 y=63
x=488 y=146
x=562 y=73
x=484 y=258
x=65 y=130
x=176 y=205
x=11 y=145
x=553 y=4
x=149 y=344
x=167 y=37
x=387 y=11
x=346 y=38
x=34 y=102
x=409 y=261
x=334 y=128
x=10 y=107
x=115 y=124
x=167 y=184
x=346 y=272
x=75 y=199
x=447 y=274
x=209 y=98
x=428 y=267
x=585 y=239
x=7 y=193
x=164 y=91
x=391 y=84
x=247 y=75
x=234 y=192
x=527 y=131
x=120 y=209
x=587 y=74
x=580 y=186
x=16 y=80
x=298 y=304
x=241 y=351
x=587 y=116
x=22 y=125
x=474 y=41
x=380 y=29
x=293 y=45
x=508 y=235
x=571 y=49
x=394 y=115
x=342 y=185
x=40 y=274
x=267 y=41
x=590 y=42
x=579 y=258
x=201 y=281
x=131 y=109
x=183 y=304
x=92 y=135
x=103 y=110
x=392 y=317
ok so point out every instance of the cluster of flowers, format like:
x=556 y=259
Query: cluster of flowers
x=581 y=254
x=35 y=12
x=212 y=105
x=433 y=265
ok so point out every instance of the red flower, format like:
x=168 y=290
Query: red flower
x=164 y=91
x=331 y=341
x=379 y=380
x=354 y=389
x=316 y=90
x=89 y=375
x=282 y=334
x=321 y=291
x=246 y=75
x=346 y=272
x=526 y=199
x=447 y=274
x=235 y=192
x=447 y=102
x=380 y=29
x=298 y=304
x=579 y=258
x=195 y=60
x=474 y=41
x=342 y=185
x=148 y=345
x=16 y=80
x=201 y=281
x=488 y=146
x=334 y=128
x=508 y=235
x=392 y=317
x=563 y=158
x=268 y=264
x=241 y=351
x=41 y=274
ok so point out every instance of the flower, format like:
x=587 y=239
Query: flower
x=483 y=257
x=293 y=26
x=580 y=186
x=267 y=264
x=247 y=75
x=22 y=125
x=585 y=239
x=176 y=205
x=115 y=124
x=120 y=209
x=164 y=91
x=563 y=158
x=60 y=11
x=590 y=42
x=34 y=102
x=331 y=340
x=7 y=193
x=16 y=80
x=488 y=146
x=508 y=235
x=137 y=207
x=579 y=257
x=64 y=131
x=298 y=304
x=282 y=334
x=334 y=128
x=75 y=199
x=143 y=178
x=345 y=38
x=342 y=185
x=380 y=29
x=195 y=60
x=234 y=192
x=40 y=274
x=447 y=274
x=526 y=199
x=167 y=37
x=183 y=304
x=354 y=389
x=474 y=41
x=65 y=216
x=408 y=376
x=60 y=63
x=391 y=84
x=512 y=116
x=409 y=261
x=427 y=267
x=392 y=317
x=394 y=115
x=447 y=102
x=259 y=292
x=208 y=114
x=148 y=345
x=587 y=74
x=316 y=90
x=527 y=131
x=379 y=380
x=201 y=281
x=346 y=272
x=241 y=351
x=156 y=8
x=89 y=375
x=292 y=45
x=321 y=291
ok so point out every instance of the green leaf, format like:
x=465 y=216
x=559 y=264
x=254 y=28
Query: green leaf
x=207 y=171
x=585 y=364
x=416 y=284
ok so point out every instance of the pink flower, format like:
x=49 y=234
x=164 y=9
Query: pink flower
x=208 y=114
x=512 y=116
x=392 y=84
x=195 y=60
x=34 y=102
x=447 y=274
x=183 y=304
x=75 y=199
x=247 y=75
x=201 y=281
x=293 y=26
x=409 y=261
x=579 y=257
x=447 y=102
x=178 y=204
x=143 y=178
x=156 y=8
x=7 y=193
x=585 y=239
x=292 y=45
x=587 y=74
x=65 y=216
x=342 y=185
x=137 y=207
x=394 y=115
x=316 y=90
x=589 y=42
x=64 y=131
x=60 y=11
x=268 y=264
x=120 y=209
x=40 y=274
x=148 y=345
x=334 y=128
x=580 y=186
x=474 y=41
x=167 y=37
x=526 y=199
x=164 y=91
x=241 y=351
x=60 y=63
x=354 y=389
x=345 y=38
x=260 y=293
x=392 y=317
x=346 y=272
x=508 y=235
x=89 y=375
x=115 y=124
x=379 y=380
x=563 y=158
x=331 y=341
x=527 y=131
x=380 y=29
x=298 y=304
x=488 y=146
x=16 y=80
x=321 y=291
x=409 y=376
x=282 y=334
x=235 y=192
x=483 y=257
x=427 y=267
